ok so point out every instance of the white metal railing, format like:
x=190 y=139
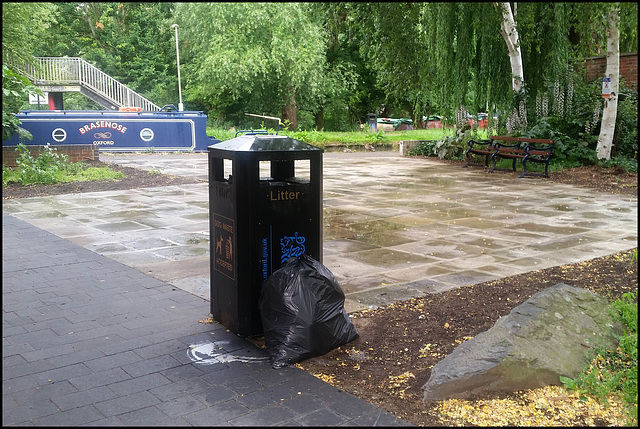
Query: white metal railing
x=76 y=71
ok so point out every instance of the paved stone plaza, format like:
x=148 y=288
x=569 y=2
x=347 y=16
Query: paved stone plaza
x=394 y=226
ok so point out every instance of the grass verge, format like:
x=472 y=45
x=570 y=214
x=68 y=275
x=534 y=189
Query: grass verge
x=612 y=375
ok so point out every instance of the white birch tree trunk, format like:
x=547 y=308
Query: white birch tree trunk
x=510 y=34
x=610 y=111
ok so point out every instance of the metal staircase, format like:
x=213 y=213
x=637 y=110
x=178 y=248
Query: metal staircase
x=70 y=74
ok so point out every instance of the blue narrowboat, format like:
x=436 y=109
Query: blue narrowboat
x=128 y=130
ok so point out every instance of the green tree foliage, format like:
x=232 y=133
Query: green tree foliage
x=391 y=40
x=546 y=49
x=22 y=25
x=628 y=26
x=267 y=58
x=322 y=64
x=349 y=91
x=445 y=55
x=588 y=28
x=132 y=42
x=434 y=57
x=15 y=88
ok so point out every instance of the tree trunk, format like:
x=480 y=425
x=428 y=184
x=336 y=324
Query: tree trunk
x=610 y=111
x=510 y=35
x=290 y=112
x=320 y=119
x=412 y=114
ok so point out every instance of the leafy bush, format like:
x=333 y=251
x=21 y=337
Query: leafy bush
x=615 y=372
x=626 y=137
x=45 y=168
x=449 y=146
x=569 y=112
x=425 y=148
x=621 y=163
x=51 y=167
x=15 y=88
x=316 y=137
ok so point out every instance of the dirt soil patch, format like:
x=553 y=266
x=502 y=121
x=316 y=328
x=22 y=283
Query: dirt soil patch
x=133 y=178
x=400 y=343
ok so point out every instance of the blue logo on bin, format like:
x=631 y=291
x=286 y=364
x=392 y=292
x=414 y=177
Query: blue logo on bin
x=292 y=246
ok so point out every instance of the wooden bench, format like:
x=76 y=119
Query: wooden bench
x=516 y=148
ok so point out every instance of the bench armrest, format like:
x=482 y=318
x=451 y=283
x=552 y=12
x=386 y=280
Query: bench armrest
x=471 y=143
x=539 y=150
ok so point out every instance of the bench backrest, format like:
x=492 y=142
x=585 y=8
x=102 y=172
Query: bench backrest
x=521 y=140
x=525 y=145
x=505 y=138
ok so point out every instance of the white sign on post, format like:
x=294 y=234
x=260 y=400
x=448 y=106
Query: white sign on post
x=606 y=87
x=38 y=99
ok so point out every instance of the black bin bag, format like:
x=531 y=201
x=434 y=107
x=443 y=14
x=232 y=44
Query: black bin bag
x=302 y=312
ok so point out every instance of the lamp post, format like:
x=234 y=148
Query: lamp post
x=180 y=105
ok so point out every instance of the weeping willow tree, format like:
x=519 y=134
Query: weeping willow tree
x=430 y=57
x=392 y=42
x=452 y=43
x=444 y=55
x=515 y=50
x=251 y=57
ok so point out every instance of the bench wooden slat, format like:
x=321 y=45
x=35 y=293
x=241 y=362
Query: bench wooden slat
x=538 y=152
x=504 y=138
x=509 y=150
x=545 y=141
x=513 y=151
x=521 y=139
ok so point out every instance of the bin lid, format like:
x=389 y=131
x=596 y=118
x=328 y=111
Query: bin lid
x=263 y=143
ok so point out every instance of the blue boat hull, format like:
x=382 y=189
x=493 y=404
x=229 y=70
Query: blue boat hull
x=117 y=131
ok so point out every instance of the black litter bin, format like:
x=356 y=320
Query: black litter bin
x=257 y=223
x=372 y=121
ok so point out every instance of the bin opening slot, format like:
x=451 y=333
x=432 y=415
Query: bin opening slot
x=296 y=171
x=222 y=169
x=227 y=169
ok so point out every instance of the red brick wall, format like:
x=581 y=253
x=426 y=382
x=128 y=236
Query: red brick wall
x=76 y=153
x=597 y=66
